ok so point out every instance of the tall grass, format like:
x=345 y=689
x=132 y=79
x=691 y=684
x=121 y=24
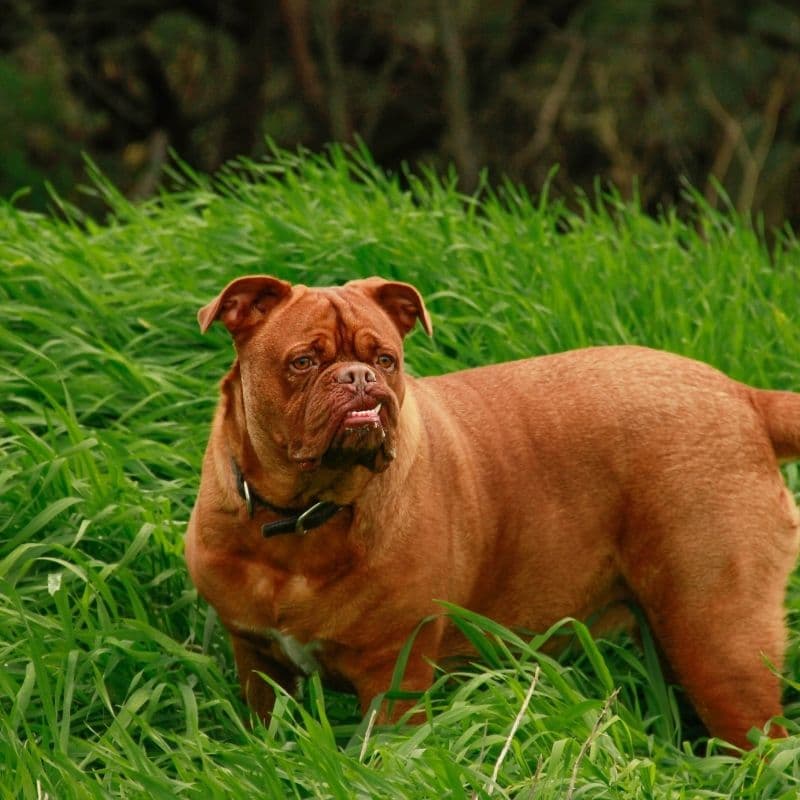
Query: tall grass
x=117 y=682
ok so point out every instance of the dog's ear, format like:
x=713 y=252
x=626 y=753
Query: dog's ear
x=244 y=302
x=401 y=301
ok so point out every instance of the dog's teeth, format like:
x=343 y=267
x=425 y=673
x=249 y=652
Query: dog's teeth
x=367 y=412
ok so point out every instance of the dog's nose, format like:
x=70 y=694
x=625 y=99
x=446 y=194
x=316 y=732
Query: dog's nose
x=359 y=375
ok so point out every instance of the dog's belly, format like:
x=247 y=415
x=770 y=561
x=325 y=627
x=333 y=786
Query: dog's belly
x=547 y=577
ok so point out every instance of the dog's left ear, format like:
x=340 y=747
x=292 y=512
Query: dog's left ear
x=401 y=301
x=244 y=302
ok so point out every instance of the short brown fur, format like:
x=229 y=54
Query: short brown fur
x=528 y=491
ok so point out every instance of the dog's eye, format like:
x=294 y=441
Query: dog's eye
x=385 y=361
x=302 y=363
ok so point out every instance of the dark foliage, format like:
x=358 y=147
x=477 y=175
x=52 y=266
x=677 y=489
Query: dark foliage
x=641 y=93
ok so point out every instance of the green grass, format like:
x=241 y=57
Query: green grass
x=117 y=682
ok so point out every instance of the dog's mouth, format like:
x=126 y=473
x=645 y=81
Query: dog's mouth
x=355 y=419
x=358 y=434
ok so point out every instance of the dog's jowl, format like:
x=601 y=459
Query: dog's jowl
x=340 y=498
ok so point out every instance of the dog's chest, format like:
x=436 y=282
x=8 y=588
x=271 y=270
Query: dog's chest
x=266 y=600
x=302 y=602
x=273 y=605
x=302 y=658
x=292 y=629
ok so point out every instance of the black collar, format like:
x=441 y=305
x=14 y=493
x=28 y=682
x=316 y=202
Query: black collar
x=295 y=521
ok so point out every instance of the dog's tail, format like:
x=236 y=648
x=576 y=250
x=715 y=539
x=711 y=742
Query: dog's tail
x=781 y=413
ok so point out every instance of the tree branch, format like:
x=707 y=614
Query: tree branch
x=731 y=136
x=337 y=89
x=295 y=15
x=456 y=97
x=770 y=116
x=553 y=103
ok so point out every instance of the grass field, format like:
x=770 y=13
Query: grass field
x=117 y=682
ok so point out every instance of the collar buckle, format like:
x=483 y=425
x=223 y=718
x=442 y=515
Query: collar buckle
x=299 y=526
x=248 y=499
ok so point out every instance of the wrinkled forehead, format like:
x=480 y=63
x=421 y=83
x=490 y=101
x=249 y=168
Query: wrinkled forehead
x=344 y=315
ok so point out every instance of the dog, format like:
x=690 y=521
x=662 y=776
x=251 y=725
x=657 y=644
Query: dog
x=340 y=499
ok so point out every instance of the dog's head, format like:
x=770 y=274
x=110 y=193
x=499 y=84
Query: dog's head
x=321 y=370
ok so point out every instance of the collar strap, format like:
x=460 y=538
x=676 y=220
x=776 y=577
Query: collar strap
x=301 y=523
x=295 y=521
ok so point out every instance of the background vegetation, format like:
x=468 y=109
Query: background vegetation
x=117 y=682
x=642 y=93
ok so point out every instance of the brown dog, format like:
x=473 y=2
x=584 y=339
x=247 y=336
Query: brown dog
x=340 y=498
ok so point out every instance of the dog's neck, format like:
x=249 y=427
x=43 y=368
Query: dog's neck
x=292 y=520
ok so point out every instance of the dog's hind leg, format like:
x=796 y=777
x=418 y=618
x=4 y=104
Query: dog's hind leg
x=712 y=587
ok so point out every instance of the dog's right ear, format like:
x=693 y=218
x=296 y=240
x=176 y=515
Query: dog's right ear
x=244 y=302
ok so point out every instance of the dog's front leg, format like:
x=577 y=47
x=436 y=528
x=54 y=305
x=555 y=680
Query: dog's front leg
x=375 y=673
x=251 y=664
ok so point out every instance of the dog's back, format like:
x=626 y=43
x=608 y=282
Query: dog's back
x=624 y=471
